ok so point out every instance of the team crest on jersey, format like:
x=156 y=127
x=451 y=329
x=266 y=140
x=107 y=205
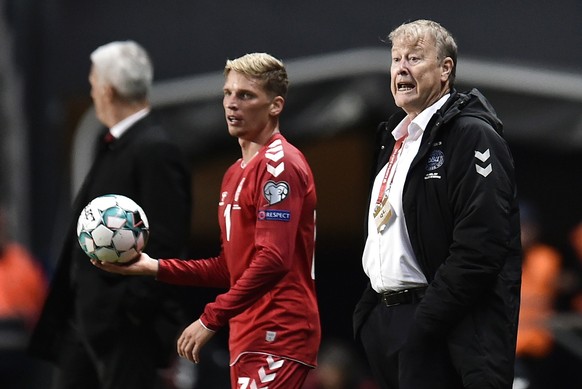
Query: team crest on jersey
x=275 y=192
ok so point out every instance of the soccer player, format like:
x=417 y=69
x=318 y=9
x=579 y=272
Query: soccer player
x=266 y=211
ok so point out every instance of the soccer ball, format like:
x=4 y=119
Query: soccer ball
x=112 y=228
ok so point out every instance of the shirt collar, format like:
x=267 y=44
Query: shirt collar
x=419 y=123
x=120 y=128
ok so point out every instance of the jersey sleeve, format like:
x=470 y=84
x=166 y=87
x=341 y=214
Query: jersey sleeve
x=211 y=272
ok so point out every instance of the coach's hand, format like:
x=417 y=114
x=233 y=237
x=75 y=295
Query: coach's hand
x=193 y=338
x=143 y=265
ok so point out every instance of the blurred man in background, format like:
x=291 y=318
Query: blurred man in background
x=104 y=331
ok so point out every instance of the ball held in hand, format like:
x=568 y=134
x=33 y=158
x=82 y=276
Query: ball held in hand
x=112 y=228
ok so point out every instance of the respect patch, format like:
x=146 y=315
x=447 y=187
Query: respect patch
x=274 y=215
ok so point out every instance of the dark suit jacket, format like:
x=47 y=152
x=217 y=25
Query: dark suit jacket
x=145 y=166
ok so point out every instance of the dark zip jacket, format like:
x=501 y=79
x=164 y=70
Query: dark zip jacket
x=462 y=216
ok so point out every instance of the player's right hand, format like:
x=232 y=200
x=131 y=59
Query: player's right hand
x=143 y=265
x=192 y=339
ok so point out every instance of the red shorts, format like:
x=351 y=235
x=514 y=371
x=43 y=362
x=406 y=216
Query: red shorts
x=256 y=371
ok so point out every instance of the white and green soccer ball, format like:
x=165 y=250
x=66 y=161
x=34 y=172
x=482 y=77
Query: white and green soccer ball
x=113 y=228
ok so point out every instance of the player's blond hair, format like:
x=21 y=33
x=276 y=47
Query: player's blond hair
x=264 y=67
x=445 y=43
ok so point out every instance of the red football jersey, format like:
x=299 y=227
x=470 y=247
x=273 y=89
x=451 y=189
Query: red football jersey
x=266 y=214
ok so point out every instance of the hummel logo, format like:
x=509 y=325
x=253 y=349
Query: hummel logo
x=264 y=377
x=274 y=364
x=274 y=153
x=483 y=157
x=276 y=170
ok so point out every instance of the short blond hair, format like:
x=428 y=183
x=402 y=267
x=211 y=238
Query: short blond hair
x=444 y=41
x=262 y=66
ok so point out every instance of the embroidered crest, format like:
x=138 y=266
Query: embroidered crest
x=435 y=160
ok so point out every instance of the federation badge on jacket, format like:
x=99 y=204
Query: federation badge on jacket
x=435 y=160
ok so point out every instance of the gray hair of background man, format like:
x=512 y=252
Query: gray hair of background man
x=125 y=66
x=445 y=43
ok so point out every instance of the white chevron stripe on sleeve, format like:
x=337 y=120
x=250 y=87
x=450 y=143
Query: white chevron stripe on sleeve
x=276 y=170
x=484 y=171
x=482 y=156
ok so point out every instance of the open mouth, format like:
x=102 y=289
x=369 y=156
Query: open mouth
x=404 y=87
x=232 y=119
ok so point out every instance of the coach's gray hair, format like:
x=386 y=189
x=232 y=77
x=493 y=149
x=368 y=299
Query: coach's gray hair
x=125 y=66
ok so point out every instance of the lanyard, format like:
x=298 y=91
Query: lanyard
x=391 y=163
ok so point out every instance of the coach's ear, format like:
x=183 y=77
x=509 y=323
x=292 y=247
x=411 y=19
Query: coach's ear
x=447 y=68
x=276 y=106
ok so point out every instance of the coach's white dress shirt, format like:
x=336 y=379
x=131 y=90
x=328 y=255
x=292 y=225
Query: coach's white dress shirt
x=388 y=258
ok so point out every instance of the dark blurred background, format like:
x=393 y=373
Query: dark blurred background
x=526 y=57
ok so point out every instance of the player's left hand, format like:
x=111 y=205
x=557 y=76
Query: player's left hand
x=193 y=338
